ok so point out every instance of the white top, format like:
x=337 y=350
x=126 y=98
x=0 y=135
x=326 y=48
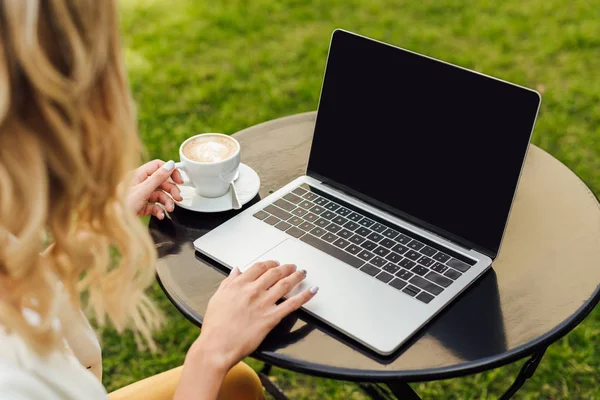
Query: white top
x=71 y=373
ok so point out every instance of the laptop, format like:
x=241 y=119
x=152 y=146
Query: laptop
x=413 y=169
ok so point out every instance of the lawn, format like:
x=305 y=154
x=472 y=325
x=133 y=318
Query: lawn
x=199 y=66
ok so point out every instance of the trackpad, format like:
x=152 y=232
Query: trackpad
x=348 y=299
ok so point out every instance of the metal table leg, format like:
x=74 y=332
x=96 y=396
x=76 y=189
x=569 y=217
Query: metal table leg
x=525 y=373
x=390 y=391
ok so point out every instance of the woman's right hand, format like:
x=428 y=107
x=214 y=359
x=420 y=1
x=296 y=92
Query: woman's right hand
x=244 y=310
x=239 y=316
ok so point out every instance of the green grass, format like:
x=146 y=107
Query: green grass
x=199 y=66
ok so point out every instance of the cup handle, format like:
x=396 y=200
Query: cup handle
x=184 y=175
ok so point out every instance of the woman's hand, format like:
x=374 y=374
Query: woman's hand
x=239 y=316
x=150 y=186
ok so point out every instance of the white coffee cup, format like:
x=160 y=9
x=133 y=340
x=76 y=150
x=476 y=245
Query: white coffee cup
x=210 y=178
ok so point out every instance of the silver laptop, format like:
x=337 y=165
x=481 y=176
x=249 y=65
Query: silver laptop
x=412 y=172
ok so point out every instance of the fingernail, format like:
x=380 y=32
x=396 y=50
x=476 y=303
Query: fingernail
x=314 y=289
x=303 y=271
x=162 y=215
x=169 y=165
x=277 y=263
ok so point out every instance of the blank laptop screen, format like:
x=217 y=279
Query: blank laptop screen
x=425 y=140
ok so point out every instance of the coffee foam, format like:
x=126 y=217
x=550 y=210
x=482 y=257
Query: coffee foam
x=210 y=149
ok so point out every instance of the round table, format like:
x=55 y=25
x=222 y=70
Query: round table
x=543 y=284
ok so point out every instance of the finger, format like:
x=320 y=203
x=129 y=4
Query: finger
x=154 y=209
x=232 y=275
x=283 y=286
x=162 y=198
x=172 y=188
x=176 y=176
x=274 y=275
x=255 y=271
x=158 y=178
x=295 y=302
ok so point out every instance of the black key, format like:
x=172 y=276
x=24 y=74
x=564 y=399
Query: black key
x=357 y=239
x=332 y=251
x=426 y=261
x=411 y=290
x=310 y=196
x=321 y=201
x=300 y=212
x=366 y=222
x=292 y=198
x=369 y=245
x=441 y=257
x=403 y=239
x=299 y=191
x=345 y=233
x=261 y=215
x=328 y=215
x=286 y=205
x=283 y=226
x=387 y=243
x=343 y=211
x=390 y=233
x=384 y=277
x=400 y=249
x=317 y=210
x=419 y=270
x=413 y=255
x=295 y=232
x=416 y=245
x=377 y=227
x=439 y=268
x=310 y=217
x=272 y=220
x=306 y=226
x=341 y=243
x=426 y=285
x=351 y=226
x=329 y=237
x=339 y=220
x=363 y=232
x=331 y=206
x=354 y=217
x=318 y=232
x=452 y=274
x=394 y=257
x=278 y=212
x=425 y=297
x=391 y=268
x=404 y=274
x=353 y=249
x=398 y=284
x=305 y=204
x=428 y=251
x=381 y=251
x=333 y=228
x=437 y=278
x=365 y=255
x=378 y=261
x=406 y=263
x=456 y=264
x=376 y=237
x=369 y=269
x=322 y=222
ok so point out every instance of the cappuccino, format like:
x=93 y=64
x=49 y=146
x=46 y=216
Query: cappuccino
x=210 y=148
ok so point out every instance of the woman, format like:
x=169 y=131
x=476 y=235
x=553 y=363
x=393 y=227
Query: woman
x=67 y=140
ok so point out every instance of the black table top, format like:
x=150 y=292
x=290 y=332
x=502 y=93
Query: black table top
x=544 y=282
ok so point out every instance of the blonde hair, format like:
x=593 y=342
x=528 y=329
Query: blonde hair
x=67 y=139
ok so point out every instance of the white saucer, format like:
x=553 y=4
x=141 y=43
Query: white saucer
x=247 y=186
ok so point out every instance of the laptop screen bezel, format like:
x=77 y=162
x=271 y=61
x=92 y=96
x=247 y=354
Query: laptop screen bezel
x=492 y=253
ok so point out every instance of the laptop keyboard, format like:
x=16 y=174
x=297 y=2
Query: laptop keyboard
x=380 y=251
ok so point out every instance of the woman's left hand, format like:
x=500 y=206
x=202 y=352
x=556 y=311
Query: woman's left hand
x=150 y=186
